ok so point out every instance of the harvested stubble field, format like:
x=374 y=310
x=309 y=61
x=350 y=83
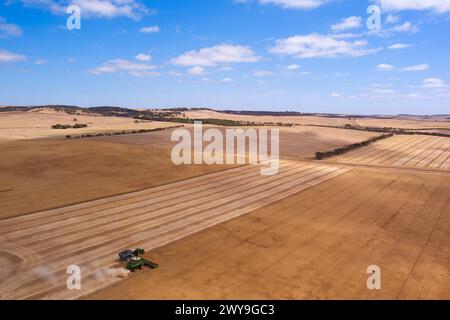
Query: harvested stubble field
x=40 y=246
x=42 y=174
x=414 y=151
x=82 y=170
x=220 y=232
x=38 y=124
x=403 y=123
x=396 y=122
x=316 y=244
x=295 y=143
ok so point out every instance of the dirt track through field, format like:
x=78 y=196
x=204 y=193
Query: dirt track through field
x=36 y=249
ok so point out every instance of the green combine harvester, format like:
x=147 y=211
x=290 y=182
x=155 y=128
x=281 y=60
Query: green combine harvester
x=135 y=261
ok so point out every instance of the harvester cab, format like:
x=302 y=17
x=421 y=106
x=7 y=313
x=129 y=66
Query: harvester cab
x=126 y=255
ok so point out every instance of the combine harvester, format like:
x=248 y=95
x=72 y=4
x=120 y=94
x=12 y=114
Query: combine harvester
x=135 y=261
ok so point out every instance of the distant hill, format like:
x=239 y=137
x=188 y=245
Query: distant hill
x=175 y=112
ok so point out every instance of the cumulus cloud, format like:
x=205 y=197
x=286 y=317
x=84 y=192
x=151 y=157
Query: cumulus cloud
x=143 y=57
x=433 y=83
x=406 y=27
x=439 y=6
x=213 y=56
x=94 y=8
x=227 y=80
x=152 y=29
x=292 y=67
x=197 y=71
x=8 y=56
x=385 y=67
x=319 y=46
x=9 y=29
x=398 y=46
x=419 y=67
x=123 y=65
x=291 y=4
x=347 y=23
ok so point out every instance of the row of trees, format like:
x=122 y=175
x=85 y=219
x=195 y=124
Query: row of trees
x=120 y=133
x=338 y=151
x=214 y=121
x=400 y=131
x=68 y=126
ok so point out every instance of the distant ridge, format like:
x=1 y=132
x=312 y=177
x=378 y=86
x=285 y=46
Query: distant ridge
x=128 y=112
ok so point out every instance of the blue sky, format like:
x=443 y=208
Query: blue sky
x=300 y=55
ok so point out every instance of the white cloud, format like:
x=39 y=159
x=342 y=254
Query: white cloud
x=397 y=46
x=262 y=73
x=385 y=67
x=293 y=67
x=122 y=65
x=348 y=35
x=419 y=67
x=9 y=29
x=143 y=57
x=318 y=46
x=227 y=80
x=197 y=71
x=291 y=4
x=8 y=56
x=213 y=56
x=439 y=6
x=347 y=23
x=94 y=8
x=433 y=83
x=152 y=29
x=406 y=27
x=335 y=94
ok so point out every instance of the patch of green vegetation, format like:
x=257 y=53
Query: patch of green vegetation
x=68 y=126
